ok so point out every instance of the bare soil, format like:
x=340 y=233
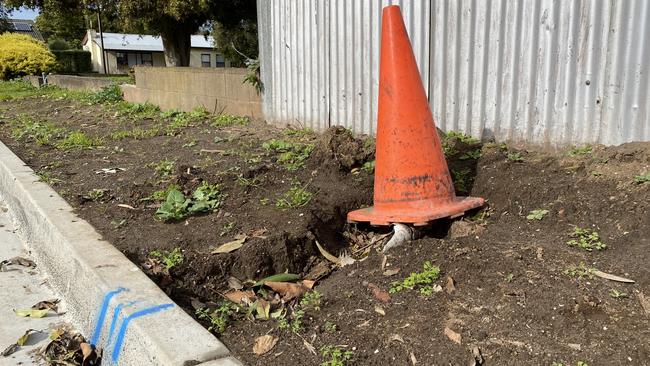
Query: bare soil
x=512 y=298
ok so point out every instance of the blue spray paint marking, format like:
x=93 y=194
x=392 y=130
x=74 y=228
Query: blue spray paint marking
x=102 y=314
x=125 y=323
x=116 y=315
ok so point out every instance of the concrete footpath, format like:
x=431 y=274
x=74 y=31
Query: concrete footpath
x=20 y=288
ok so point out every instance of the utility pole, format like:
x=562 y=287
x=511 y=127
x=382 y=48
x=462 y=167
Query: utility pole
x=101 y=37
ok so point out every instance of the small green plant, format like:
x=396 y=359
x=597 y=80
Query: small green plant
x=42 y=132
x=294 y=324
x=580 y=271
x=218 y=318
x=617 y=294
x=227 y=228
x=474 y=154
x=160 y=195
x=253 y=75
x=586 y=239
x=264 y=201
x=537 y=215
x=334 y=356
x=510 y=277
x=296 y=196
x=642 y=178
x=596 y=173
x=96 y=194
x=224 y=120
x=311 y=300
x=206 y=197
x=78 y=140
x=422 y=279
x=248 y=182
x=47 y=178
x=138 y=111
x=190 y=143
x=163 y=168
x=515 y=157
x=584 y=150
x=457 y=135
x=461 y=179
x=368 y=167
x=299 y=133
x=291 y=155
x=330 y=327
x=169 y=258
x=108 y=94
x=174 y=207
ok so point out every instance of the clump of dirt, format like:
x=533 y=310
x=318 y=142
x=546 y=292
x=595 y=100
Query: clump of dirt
x=337 y=146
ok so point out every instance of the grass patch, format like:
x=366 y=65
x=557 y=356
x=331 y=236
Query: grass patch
x=169 y=259
x=224 y=120
x=537 y=215
x=421 y=280
x=290 y=154
x=586 y=239
x=296 y=196
x=17 y=90
x=78 y=140
x=163 y=168
x=47 y=178
x=584 y=150
x=25 y=128
x=138 y=111
x=642 y=178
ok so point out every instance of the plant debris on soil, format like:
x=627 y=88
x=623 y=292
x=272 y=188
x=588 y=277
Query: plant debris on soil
x=500 y=286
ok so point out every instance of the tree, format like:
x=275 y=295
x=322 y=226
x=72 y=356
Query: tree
x=174 y=20
x=237 y=41
x=56 y=23
x=4 y=21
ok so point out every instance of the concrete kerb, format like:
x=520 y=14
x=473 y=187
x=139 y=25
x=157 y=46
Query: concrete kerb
x=110 y=300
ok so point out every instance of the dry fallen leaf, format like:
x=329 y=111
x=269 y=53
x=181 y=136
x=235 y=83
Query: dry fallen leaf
x=413 y=359
x=234 y=283
x=264 y=344
x=288 y=290
x=21 y=262
x=453 y=336
x=378 y=293
x=240 y=297
x=123 y=205
x=611 y=277
x=309 y=283
x=10 y=350
x=230 y=246
x=32 y=313
x=47 y=304
x=450 y=286
x=90 y=356
x=309 y=347
x=391 y=272
x=25 y=337
x=396 y=337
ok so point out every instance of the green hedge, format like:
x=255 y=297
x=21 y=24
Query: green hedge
x=73 y=61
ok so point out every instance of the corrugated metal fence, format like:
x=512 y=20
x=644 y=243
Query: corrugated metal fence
x=547 y=71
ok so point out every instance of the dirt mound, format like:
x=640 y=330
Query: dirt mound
x=337 y=146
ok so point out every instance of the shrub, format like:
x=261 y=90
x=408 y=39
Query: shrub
x=23 y=55
x=58 y=45
x=73 y=61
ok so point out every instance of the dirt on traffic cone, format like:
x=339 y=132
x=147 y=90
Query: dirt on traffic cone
x=412 y=181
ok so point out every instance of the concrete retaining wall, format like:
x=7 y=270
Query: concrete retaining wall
x=186 y=88
x=79 y=82
x=36 y=81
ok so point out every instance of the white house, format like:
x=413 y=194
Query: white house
x=124 y=51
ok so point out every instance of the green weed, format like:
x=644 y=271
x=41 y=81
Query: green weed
x=206 y=197
x=311 y=300
x=510 y=277
x=586 y=239
x=584 y=150
x=580 y=271
x=29 y=129
x=190 y=143
x=138 y=111
x=78 y=140
x=296 y=196
x=227 y=228
x=169 y=259
x=224 y=120
x=330 y=327
x=163 y=168
x=160 y=195
x=460 y=179
x=47 y=178
x=617 y=294
x=515 y=157
x=293 y=324
x=291 y=155
x=248 y=182
x=368 y=167
x=423 y=280
x=537 y=214
x=334 y=356
x=219 y=318
x=299 y=133
x=642 y=178
x=108 y=94
x=457 y=135
x=474 y=154
x=96 y=194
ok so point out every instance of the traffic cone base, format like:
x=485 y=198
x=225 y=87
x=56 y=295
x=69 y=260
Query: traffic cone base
x=412 y=181
x=418 y=213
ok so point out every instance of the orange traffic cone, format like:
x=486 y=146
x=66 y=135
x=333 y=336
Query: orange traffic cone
x=412 y=181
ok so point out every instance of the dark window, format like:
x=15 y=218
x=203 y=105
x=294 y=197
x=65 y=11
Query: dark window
x=121 y=59
x=205 y=60
x=221 y=61
x=146 y=59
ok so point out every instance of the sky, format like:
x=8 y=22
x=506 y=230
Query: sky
x=23 y=13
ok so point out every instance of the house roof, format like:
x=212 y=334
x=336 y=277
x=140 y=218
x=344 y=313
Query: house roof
x=137 y=42
x=25 y=26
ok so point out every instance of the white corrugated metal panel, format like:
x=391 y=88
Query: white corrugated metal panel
x=320 y=59
x=552 y=72
x=548 y=71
